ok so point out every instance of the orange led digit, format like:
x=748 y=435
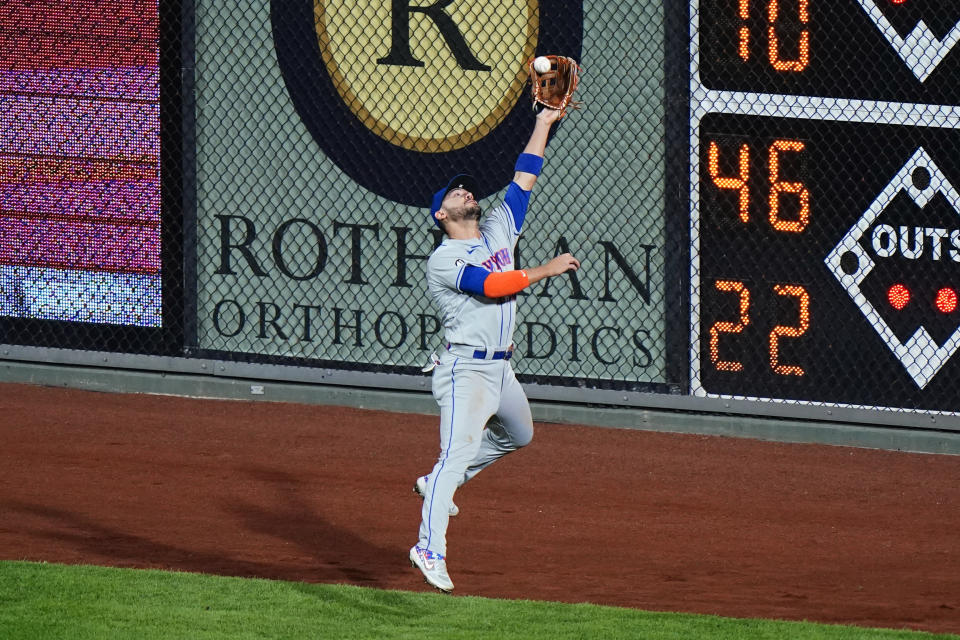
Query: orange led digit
x=777 y=187
x=729 y=327
x=803 y=58
x=733 y=184
x=788 y=331
x=744 y=48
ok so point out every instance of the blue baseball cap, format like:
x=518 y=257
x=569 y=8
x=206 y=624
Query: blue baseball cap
x=459 y=181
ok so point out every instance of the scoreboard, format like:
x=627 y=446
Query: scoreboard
x=825 y=201
x=891 y=50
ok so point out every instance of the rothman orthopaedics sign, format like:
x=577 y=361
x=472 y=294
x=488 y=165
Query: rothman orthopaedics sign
x=323 y=128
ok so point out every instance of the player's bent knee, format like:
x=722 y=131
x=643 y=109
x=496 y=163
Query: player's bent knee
x=523 y=439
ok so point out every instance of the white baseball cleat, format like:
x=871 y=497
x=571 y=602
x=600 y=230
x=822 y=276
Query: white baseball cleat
x=420 y=488
x=433 y=566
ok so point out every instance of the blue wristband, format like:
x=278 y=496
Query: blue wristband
x=529 y=163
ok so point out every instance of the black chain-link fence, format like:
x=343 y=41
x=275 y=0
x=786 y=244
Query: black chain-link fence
x=760 y=191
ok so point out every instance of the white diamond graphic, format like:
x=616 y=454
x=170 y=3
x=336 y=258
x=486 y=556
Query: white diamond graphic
x=920 y=355
x=921 y=49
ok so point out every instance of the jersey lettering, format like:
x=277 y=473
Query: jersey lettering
x=499 y=259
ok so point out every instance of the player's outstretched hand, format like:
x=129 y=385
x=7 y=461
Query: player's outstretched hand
x=563 y=263
x=558 y=266
x=549 y=116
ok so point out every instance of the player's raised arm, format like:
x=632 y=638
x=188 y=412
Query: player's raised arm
x=531 y=160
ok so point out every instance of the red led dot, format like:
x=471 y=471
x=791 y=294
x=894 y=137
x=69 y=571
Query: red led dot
x=946 y=300
x=898 y=1
x=899 y=296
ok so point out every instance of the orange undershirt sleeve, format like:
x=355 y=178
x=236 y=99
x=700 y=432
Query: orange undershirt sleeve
x=498 y=285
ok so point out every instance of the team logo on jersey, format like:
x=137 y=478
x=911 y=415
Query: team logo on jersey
x=921 y=49
x=400 y=93
x=459 y=262
x=501 y=258
x=900 y=262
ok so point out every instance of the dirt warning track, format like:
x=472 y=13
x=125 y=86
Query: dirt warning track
x=647 y=520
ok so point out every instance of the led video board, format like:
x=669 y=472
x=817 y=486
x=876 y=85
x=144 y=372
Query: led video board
x=80 y=231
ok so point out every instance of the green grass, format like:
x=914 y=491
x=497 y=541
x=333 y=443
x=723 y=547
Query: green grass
x=46 y=601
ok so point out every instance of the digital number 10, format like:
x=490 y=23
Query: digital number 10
x=778 y=332
x=773 y=41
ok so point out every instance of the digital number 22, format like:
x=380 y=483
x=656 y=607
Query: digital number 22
x=778 y=332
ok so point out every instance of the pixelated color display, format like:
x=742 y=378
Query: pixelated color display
x=79 y=161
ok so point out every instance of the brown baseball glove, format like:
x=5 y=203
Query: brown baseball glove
x=554 y=88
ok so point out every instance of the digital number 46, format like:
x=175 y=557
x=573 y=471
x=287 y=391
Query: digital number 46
x=740 y=183
x=778 y=332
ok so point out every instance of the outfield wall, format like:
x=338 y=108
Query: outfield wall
x=762 y=197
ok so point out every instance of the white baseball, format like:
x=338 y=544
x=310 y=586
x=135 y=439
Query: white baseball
x=541 y=64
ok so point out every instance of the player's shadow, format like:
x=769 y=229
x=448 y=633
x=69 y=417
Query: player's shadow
x=333 y=553
x=322 y=552
x=75 y=534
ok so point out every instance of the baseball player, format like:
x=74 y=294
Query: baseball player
x=472 y=279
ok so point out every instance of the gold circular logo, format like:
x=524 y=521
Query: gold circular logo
x=429 y=78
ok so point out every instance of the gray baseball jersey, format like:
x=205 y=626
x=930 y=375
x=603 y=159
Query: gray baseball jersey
x=474 y=392
x=474 y=320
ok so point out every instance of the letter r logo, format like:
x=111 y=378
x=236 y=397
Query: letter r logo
x=422 y=85
x=400 y=36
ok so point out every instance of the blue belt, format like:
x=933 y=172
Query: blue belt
x=480 y=354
